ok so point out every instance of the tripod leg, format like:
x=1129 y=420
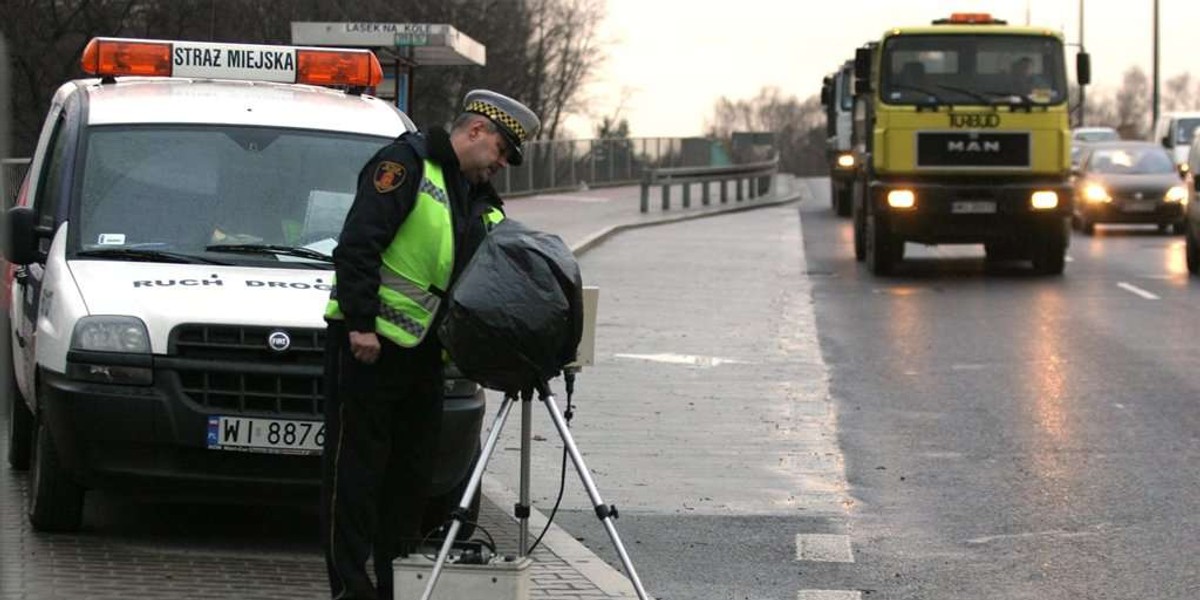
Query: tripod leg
x=523 y=508
x=603 y=511
x=473 y=484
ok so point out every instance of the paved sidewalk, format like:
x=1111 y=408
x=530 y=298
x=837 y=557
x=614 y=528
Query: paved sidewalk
x=563 y=568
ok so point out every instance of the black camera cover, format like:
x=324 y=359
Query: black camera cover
x=514 y=318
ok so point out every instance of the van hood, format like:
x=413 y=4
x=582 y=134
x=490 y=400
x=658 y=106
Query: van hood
x=165 y=295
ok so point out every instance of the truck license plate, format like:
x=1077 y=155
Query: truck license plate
x=973 y=207
x=271 y=436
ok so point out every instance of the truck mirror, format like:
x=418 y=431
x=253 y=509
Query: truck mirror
x=1083 y=68
x=21 y=247
x=862 y=70
x=1166 y=142
x=825 y=99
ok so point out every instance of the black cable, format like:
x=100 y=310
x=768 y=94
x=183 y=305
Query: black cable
x=489 y=543
x=569 y=376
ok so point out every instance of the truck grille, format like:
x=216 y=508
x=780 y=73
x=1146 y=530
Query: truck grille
x=972 y=149
x=234 y=369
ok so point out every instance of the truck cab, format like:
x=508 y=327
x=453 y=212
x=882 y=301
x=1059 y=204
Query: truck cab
x=837 y=97
x=967 y=141
x=172 y=248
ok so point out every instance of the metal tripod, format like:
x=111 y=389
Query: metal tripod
x=605 y=512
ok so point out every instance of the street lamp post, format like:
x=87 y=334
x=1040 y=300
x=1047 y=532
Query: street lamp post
x=1154 y=101
x=1082 y=88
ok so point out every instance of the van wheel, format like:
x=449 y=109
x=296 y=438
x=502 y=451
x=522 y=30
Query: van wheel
x=20 y=427
x=55 y=500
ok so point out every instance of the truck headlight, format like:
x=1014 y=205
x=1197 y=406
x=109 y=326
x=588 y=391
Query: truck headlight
x=1044 y=200
x=111 y=349
x=901 y=199
x=845 y=161
x=1095 y=193
x=1177 y=193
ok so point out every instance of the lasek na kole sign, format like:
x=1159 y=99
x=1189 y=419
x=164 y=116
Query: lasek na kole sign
x=233 y=61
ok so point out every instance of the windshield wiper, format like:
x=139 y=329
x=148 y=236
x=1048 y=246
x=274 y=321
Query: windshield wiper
x=273 y=249
x=982 y=97
x=148 y=255
x=928 y=92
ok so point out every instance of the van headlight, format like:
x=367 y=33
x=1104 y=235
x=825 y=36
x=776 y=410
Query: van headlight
x=111 y=334
x=111 y=349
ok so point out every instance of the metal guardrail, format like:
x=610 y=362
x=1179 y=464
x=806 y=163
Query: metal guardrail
x=758 y=176
x=13 y=173
x=572 y=164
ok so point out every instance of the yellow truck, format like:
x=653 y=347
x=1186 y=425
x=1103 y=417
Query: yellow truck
x=963 y=137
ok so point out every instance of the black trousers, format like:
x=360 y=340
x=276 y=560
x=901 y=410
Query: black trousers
x=382 y=423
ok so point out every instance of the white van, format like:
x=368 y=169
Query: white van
x=1175 y=131
x=170 y=265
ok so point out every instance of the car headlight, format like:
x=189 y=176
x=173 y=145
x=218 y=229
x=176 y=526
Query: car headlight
x=1177 y=193
x=111 y=334
x=111 y=349
x=1095 y=193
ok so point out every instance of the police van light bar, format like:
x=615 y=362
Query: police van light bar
x=110 y=57
x=970 y=19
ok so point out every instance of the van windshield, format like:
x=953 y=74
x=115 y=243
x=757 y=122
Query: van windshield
x=1185 y=130
x=183 y=189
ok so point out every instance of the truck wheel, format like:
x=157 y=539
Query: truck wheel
x=1050 y=251
x=1193 y=252
x=883 y=250
x=858 y=218
x=55 y=500
x=844 y=200
x=833 y=194
x=1179 y=227
x=1086 y=225
x=20 y=426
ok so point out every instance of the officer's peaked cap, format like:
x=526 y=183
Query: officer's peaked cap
x=512 y=118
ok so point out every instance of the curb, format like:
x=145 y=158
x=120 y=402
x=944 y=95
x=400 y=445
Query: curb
x=799 y=193
x=605 y=577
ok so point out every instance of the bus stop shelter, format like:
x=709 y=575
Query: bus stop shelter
x=401 y=48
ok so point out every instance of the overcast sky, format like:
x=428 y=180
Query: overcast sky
x=669 y=60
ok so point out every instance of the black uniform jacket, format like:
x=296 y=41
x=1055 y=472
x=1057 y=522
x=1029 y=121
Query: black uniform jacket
x=386 y=195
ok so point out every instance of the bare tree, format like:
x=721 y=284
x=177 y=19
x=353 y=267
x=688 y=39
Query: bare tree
x=1133 y=104
x=799 y=126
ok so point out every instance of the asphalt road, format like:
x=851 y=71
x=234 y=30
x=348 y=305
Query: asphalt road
x=1004 y=435
x=1015 y=436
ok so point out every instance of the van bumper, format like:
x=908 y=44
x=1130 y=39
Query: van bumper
x=151 y=441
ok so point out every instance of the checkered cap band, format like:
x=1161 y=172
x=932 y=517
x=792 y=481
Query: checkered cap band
x=498 y=116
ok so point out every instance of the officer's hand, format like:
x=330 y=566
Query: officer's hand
x=364 y=346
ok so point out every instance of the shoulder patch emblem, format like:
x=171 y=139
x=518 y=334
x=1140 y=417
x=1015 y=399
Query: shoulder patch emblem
x=388 y=176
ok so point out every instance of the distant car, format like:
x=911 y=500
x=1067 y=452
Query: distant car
x=1081 y=136
x=1128 y=182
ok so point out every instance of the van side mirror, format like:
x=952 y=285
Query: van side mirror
x=21 y=248
x=1166 y=141
x=1083 y=68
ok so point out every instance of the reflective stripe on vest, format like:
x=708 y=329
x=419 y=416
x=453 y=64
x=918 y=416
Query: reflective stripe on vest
x=418 y=262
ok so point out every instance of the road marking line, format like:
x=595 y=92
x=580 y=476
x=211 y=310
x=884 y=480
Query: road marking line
x=828 y=595
x=1137 y=290
x=816 y=547
x=684 y=359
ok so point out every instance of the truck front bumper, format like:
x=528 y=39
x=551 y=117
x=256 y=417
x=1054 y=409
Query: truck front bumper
x=970 y=211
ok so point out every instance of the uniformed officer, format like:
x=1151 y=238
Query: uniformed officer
x=424 y=203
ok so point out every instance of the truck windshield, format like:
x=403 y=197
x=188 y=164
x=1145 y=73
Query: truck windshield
x=845 y=93
x=185 y=189
x=973 y=69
